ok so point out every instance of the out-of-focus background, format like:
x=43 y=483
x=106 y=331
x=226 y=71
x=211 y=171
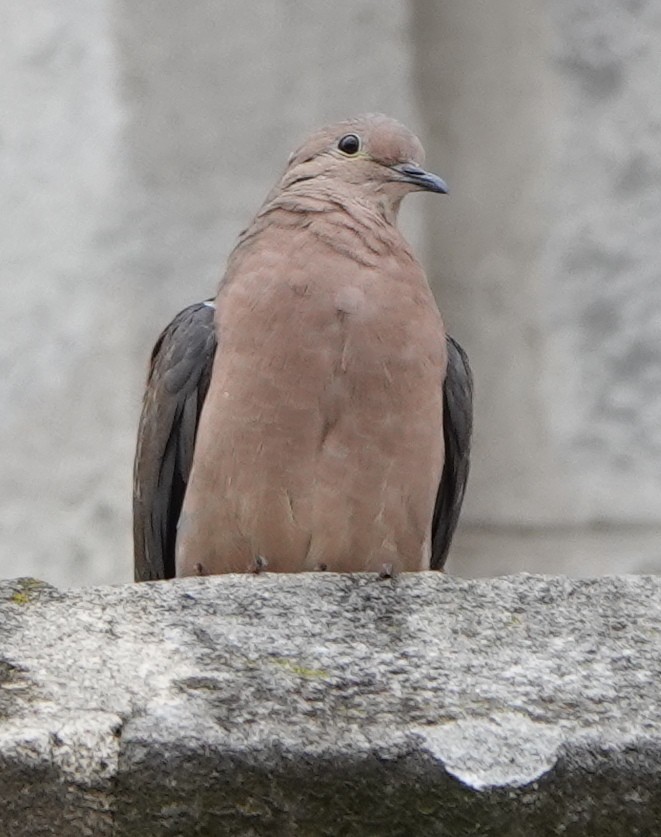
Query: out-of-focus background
x=137 y=138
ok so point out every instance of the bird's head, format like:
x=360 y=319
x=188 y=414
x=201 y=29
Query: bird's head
x=373 y=158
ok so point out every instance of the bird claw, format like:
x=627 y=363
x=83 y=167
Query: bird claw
x=260 y=564
x=199 y=569
x=387 y=571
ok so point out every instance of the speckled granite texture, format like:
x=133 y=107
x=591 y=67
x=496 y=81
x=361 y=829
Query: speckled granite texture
x=324 y=705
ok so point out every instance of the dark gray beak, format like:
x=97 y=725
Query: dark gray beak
x=417 y=176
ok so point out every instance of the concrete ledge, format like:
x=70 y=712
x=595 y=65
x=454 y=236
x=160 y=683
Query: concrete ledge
x=326 y=705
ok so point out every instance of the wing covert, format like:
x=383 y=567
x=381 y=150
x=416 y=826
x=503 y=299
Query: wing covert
x=457 y=429
x=177 y=385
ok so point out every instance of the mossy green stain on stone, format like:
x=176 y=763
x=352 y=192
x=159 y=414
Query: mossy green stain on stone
x=300 y=670
x=27 y=590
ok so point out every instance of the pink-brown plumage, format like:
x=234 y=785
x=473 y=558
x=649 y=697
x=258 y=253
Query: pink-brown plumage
x=320 y=443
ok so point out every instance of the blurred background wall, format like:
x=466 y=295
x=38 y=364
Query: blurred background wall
x=138 y=138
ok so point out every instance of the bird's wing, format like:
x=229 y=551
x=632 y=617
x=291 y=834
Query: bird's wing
x=457 y=428
x=177 y=385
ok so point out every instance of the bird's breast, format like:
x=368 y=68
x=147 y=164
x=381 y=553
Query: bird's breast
x=320 y=442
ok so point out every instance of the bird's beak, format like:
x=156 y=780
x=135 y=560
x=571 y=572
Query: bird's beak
x=417 y=176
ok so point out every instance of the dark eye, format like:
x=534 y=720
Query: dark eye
x=349 y=144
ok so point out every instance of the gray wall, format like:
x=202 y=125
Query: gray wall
x=139 y=137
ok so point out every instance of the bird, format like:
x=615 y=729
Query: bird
x=314 y=415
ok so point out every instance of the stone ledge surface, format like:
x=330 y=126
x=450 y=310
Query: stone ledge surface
x=324 y=705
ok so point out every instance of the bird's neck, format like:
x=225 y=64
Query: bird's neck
x=361 y=227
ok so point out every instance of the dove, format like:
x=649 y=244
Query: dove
x=314 y=415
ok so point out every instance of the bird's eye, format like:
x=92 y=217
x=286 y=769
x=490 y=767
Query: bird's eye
x=349 y=144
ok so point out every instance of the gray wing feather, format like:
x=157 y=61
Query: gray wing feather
x=457 y=430
x=177 y=385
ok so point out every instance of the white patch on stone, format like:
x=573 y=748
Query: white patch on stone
x=503 y=750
